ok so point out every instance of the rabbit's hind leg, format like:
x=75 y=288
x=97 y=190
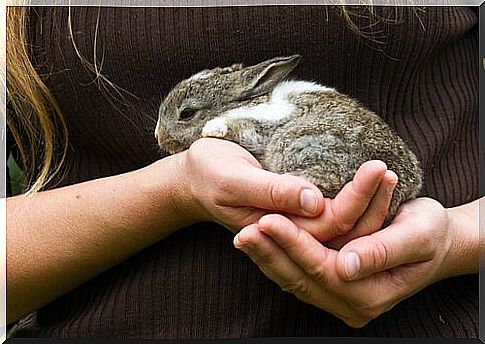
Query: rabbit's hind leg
x=323 y=159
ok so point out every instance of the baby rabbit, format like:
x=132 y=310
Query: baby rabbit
x=294 y=127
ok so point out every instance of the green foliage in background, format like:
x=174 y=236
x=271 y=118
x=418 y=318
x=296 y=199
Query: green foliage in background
x=17 y=178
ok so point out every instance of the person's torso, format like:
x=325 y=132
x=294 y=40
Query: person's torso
x=415 y=67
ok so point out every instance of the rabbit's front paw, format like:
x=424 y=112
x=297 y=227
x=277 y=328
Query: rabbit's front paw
x=216 y=127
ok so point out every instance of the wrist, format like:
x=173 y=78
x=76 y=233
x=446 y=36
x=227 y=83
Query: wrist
x=463 y=257
x=172 y=187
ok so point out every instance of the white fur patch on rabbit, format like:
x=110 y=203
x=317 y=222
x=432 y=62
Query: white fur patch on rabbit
x=201 y=75
x=278 y=108
x=287 y=87
x=215 y=128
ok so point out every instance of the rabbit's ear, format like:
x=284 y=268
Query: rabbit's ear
x=263 y=77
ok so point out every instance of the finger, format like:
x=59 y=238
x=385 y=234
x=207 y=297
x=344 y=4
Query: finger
x=271 y=259
x=393 y=246
x=374 y=216
x=354 y=198
x=314 y=258
x=283 y=193
x=277 y=265
x=341 y=214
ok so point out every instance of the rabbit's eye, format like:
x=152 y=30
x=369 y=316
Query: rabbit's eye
x=187 y=114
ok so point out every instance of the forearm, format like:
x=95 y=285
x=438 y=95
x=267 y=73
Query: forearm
x=464 y=252
x=58 y=239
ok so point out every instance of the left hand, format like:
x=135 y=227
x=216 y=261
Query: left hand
x=369 y=275
x=360 y=208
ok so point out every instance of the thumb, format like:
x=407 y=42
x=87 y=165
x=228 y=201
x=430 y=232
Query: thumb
x=262 y=189
x=391 y=247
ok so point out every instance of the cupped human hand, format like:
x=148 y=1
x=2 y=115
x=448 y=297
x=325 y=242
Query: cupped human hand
x=225 y=184
x=371 y=274
x=359 y=209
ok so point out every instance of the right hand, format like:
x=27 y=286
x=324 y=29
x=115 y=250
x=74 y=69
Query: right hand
x=227 y=185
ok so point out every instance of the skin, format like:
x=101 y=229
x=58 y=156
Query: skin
x=425 y=243
x=63 y=237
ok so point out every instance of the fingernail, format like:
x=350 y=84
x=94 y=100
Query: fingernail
x=308 y=201
x=393 y=178
x=235 y=241
x=352 y=264
x=238 y=245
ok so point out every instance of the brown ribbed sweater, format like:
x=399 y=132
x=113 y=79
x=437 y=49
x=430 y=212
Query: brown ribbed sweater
x=416 y=67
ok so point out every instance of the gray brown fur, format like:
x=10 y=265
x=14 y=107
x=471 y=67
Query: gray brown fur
x=325 y=138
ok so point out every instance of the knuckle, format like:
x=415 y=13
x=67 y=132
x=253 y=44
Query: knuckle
x=356 y=323
x=317 y=272
x=267 y=259
x=366 y=309
x=290 y=245
x=341 y=228
x=368 y=226
x=382 y=214
x=279 y=197
x=299 y=288
x=361 y=192
x=394 y=280
x=379 y=255
x=371 y=314
x=366 y=313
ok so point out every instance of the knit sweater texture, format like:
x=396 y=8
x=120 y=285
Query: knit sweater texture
x=416 y=67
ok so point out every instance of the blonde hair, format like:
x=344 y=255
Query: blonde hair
x=35 y=120
x=371 y=26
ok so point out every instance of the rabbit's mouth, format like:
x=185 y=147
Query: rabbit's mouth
x=167 y=143
x=171 y=146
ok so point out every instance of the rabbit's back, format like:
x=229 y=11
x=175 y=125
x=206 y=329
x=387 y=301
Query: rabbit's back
x=329 y=136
